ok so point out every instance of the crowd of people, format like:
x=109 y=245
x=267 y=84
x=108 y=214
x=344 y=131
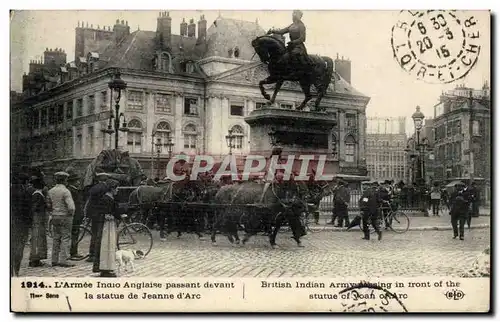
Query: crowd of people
x=33 y=203
x=34 y=207
x=380 y=197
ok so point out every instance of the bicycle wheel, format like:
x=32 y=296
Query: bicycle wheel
x=83 y=242
x=400 y=222
x=135 y=236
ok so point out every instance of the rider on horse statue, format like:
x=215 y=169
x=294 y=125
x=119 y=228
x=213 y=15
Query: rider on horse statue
x=296 y=47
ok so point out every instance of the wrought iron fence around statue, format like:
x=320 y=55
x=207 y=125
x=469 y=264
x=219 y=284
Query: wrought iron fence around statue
x=415 y=202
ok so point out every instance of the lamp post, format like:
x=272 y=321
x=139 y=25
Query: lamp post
x=116 y=85
x=418 y=120
x=411 y=150
x=158 y=151
x=153 y=135
x=169 y=145
x=229 y=141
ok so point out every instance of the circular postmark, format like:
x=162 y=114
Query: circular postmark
x=369 y=297
x=436 y=46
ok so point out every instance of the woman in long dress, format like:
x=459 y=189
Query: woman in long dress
x=105 y=245
x=39 y=226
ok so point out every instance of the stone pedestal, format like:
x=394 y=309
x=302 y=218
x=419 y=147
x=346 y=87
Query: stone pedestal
x=296 y=132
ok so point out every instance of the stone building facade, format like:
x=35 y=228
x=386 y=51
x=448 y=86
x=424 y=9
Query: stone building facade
x=385 y=145
x=462 y=136
x=192 y=87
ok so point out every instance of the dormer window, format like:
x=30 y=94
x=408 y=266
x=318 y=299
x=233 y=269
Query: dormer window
x=187 y=67
x=92 y=59
x=164 y=62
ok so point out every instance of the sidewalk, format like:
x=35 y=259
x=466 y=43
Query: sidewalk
x=483 y=212
x=417 y=223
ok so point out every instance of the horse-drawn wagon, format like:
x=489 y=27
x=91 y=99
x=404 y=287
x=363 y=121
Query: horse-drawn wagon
x=211 y=204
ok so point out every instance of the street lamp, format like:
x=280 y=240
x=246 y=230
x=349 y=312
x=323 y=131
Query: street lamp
x=418 y=119
x=424 y=147
x=158 y=151
x=229 y=141
x=117 y=85
x=153 y=135
x=169 y=145
x=411 y=151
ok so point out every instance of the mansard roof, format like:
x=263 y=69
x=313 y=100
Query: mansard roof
x=225 y=34
x=139 y=48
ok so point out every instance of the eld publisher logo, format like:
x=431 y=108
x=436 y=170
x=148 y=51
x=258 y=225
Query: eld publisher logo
x=454 y=294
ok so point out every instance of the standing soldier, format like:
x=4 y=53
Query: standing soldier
x=474 y=205
x=369 y=209
x=459 y=210
x=341 y=203
x=63 y=208
x=77 y=194
x=435 y=199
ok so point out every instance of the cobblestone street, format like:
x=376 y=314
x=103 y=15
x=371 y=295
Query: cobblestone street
x=326 y=254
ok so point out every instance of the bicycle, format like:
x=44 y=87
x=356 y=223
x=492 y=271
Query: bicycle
x=389 y=217
x=126 y=232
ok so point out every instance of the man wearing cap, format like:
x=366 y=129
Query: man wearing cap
x=63 y=208
x=369 y=208
x=341 y=203
x=21 y=219
x=473 y=193
x=77 y=195
x=459 y=210
x=384 y=199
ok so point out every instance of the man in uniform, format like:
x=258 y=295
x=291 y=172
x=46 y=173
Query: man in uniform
x=473 y=192
x=77 y=195
x=369 y=205
x=459 y=210
x=341 y=203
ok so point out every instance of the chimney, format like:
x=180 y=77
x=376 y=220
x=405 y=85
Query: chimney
x=202 y=29
x=120 y=30
x=192 y=28
x=54 y=56
x=164 y=30
x=343 y=68
x=184 y=27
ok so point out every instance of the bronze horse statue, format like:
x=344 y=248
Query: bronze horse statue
x=271 y=50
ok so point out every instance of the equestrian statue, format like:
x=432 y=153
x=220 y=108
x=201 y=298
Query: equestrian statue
x=292 y=63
